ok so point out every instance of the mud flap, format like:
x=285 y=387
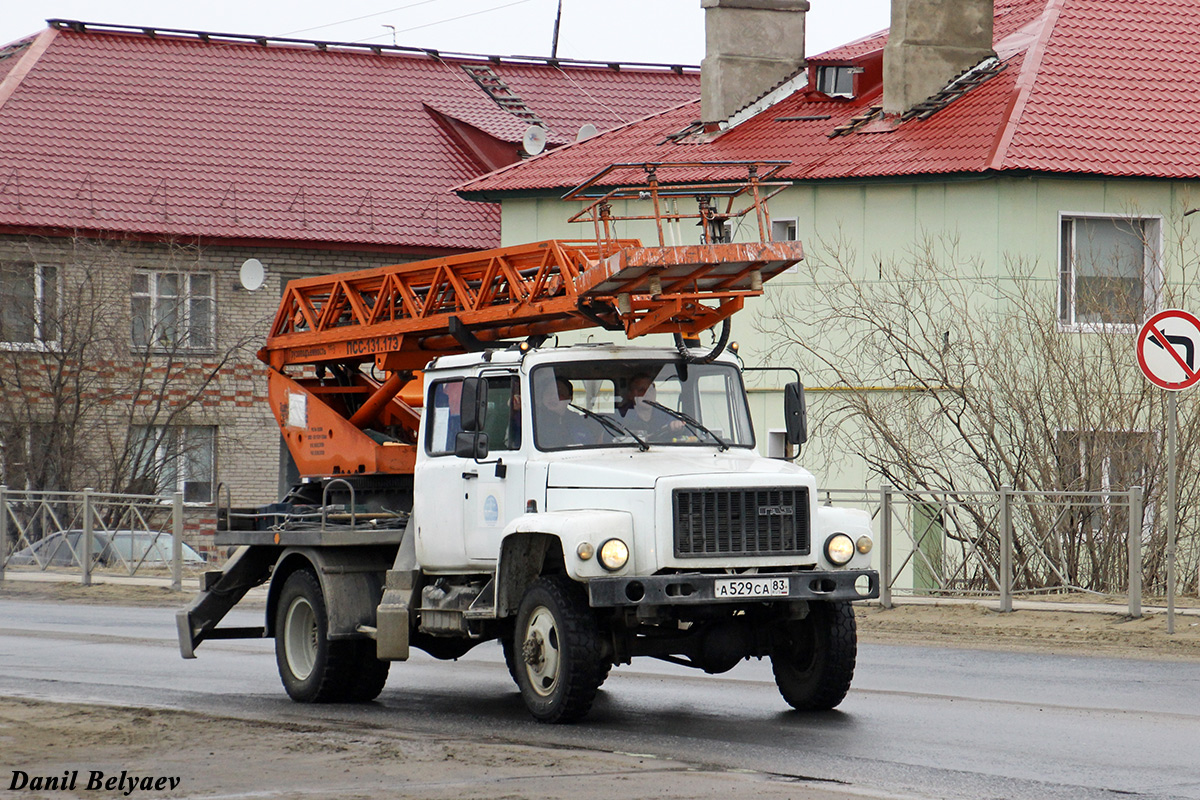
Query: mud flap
x=393 y=619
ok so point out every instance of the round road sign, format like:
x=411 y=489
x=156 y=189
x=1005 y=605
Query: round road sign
x=1167 y=348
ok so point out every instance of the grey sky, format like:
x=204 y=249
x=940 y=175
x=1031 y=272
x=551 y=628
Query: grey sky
x=662 y=31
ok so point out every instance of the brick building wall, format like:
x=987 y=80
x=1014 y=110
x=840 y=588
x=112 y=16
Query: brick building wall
x=234 y=401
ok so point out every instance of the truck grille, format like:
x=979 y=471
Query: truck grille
x=741 y=522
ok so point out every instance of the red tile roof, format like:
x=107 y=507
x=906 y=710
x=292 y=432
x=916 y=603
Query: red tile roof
x=1085 y=87
x=213 y=135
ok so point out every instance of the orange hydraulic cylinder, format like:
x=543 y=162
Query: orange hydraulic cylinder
x=369 y=410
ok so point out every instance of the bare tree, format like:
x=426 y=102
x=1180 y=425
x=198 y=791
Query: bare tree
x=947 y=374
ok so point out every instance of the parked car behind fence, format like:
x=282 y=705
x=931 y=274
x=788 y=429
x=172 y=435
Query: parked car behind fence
x=121 y=548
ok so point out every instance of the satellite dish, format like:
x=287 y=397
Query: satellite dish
x=586 y=131
x=534 y=140
x=252 y=274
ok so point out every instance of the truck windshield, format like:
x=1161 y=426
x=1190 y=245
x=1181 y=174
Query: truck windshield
x=638 y=404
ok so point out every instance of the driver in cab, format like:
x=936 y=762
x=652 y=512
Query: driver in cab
x=556 y=424
x=641 y=413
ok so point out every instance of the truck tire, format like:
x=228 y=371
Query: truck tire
x=560 y=658
x=312 y=668
x=370 y=674
x=813 y=658
x=510 y=657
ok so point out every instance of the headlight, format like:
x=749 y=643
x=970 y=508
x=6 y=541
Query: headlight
x=865 y=544
x=839 y=549
x=614 y=554
x=585 y=551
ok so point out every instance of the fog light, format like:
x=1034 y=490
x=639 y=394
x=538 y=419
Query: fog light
x=614 y=554
x=839 y=549
x=865 y=544
x=585 y=551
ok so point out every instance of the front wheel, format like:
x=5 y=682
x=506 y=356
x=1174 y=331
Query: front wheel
x=813 y=658
x=559 y=654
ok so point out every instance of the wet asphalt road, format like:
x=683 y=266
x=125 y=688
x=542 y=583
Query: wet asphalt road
x=924 y=722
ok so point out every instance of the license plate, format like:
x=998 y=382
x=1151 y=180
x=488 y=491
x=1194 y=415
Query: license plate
x=751 y=587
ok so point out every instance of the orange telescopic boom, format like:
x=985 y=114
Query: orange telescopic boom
x=338 y=419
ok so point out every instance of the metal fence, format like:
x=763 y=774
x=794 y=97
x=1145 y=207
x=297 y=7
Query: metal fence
x=937 y=544
x=92 y=531
x=1005 y=543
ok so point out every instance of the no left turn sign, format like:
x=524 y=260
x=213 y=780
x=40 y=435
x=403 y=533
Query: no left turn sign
x=1168 y=346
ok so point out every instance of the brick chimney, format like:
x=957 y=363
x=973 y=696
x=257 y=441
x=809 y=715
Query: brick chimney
x=932 y=41
x=750 y=47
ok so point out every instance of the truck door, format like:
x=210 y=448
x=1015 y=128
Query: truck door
x=439 y=499
x=491 y=500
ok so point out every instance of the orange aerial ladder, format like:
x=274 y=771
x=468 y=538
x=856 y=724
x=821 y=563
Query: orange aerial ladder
x=341 y=419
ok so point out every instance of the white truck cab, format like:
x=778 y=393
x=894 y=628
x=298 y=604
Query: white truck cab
x=622 y=487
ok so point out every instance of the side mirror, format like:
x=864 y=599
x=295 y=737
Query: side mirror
x=471 y=444
x=795 y=415
x=472 y=407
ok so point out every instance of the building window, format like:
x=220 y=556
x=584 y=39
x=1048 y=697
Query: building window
x=26 y=456
x=783 y=230
x=173 y=310
x=29 y=303
x=836 y=81
x=176 y=458
x=1103 y=462
x=1108 y=270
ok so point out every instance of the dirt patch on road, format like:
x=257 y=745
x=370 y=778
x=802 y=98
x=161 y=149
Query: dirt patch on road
x=96 y=594
x=220 y=757
x=1084 y=632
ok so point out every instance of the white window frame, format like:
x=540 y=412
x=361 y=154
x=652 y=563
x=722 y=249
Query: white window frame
x=838 y=71
x=1152 y=274
x=40 y=343
x=794 y=222
x=186 y=299
x=176 y=435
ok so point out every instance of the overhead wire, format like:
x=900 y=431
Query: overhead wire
x=357 y=19
x=448 y=19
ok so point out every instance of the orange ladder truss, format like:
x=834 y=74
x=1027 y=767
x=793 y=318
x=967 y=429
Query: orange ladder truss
x=404 y=315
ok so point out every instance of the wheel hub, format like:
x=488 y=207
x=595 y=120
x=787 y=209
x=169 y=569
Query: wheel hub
x=532 y=651
x=541 y=651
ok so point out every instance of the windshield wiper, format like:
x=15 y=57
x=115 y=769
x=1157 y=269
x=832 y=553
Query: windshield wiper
x=612 y=425
x=687 y=420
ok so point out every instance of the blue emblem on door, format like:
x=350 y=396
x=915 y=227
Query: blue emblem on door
x=491 y=510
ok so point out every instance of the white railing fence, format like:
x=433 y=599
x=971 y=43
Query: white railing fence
x=94 y=531
x=1006 y=543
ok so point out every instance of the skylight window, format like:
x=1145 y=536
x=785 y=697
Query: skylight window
x=836 y=81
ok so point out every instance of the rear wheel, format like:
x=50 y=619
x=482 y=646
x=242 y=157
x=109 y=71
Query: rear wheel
x=813 y=658
x=558 y=650
x=312 y=668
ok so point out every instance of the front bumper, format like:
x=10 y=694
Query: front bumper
x=698 y=589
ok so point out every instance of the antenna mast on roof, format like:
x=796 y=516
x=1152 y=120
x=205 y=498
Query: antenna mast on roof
x=557 y=20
